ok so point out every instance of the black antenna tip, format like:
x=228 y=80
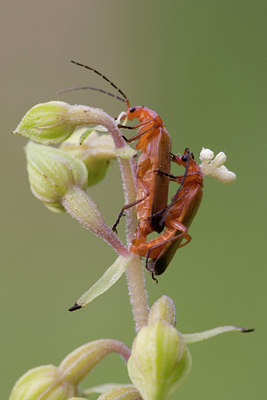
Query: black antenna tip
x=75 y=307
x=248 y=330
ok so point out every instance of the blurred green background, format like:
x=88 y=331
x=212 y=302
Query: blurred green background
x=202 y=66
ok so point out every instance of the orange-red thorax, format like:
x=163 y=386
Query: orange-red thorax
x=143 y=114
x=151 y=121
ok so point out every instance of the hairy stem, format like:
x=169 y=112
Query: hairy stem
x=82 y=115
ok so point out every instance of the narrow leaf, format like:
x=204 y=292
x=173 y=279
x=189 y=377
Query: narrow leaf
x=110 y=277
x=199 y=336
x=104 y=388
x=85 y=135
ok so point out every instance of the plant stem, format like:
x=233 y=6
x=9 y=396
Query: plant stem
x=134 y=273
x=137 y=292
x=82 y=115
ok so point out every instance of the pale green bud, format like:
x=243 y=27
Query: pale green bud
x=61 y=383
x=78 y=398
x=52 y=173
x=42 y=383
x=82 y=360
x=164 y=310
x=121 y=393
x=95 y=151
x=47 y=123
x=159 y=361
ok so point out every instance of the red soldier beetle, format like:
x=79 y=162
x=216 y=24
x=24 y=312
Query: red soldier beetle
x=177 y=217
x=154 y=142
x=152 y=192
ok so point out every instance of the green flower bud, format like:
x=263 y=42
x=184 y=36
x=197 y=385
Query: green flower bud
x=95 y=151
x=159 y=361
x=59 y=383
x=42 y=383
x=121 y=393
x=52 y=173
x=164 y=310
x=47 y=123
x=82 y=360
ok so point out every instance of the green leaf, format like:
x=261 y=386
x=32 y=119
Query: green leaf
x=105 y=387
x=110 y=277
x=199 y=336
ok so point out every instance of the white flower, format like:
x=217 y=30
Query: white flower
x=215 y=167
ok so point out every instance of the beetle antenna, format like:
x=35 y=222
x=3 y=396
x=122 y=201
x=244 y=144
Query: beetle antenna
x=105 y=78
x=70 y=89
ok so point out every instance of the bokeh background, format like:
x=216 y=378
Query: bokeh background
x=202 y=66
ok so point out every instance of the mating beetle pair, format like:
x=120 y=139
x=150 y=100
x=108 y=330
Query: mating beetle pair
x=153 y=175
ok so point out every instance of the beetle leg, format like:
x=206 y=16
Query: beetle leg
x=174 y=178
x=139 y=134
x=170 y=176
x=153 y=276
x=184 y=234
x=126 y=206
x=180 y=179
x=135 y=126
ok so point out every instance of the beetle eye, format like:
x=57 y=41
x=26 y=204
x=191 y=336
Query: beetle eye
x=184 y=158
x=132 y=109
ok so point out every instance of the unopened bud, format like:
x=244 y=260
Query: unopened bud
x=162 y=310
x=53 y=383
x=42 y=383
x=52 y=173
x=82 y=360
x=47 y=123
x=159 y=361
